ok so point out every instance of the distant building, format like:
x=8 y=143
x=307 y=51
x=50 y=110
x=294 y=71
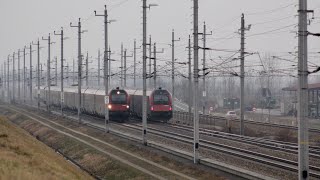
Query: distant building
x=289 y=100
x=231 y=103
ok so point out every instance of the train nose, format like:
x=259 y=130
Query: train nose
x=126 y=106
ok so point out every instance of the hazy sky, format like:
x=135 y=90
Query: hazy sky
x=273 y=25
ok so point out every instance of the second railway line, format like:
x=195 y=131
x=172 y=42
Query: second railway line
x=174 y=132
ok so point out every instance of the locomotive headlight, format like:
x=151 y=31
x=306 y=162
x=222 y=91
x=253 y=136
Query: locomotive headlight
x=128 y=106
x=109 y=106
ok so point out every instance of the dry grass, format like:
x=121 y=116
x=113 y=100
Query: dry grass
x=95 y=162
x=286 y=135
x=317 y=141
x=23 y=157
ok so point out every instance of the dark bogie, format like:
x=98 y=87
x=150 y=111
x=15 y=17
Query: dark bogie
x=119 y=117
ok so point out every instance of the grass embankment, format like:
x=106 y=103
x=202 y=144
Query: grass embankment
x=23 y=157
x=91 y=159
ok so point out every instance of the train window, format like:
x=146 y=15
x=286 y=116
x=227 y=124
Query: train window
x=118 y=99
x=160 y=99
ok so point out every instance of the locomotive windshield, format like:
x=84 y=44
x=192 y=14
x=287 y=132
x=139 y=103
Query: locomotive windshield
x=161 y=97
x=118 y=97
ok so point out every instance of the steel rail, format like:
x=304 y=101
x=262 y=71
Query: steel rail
x=234 y=151
x=275 y=145
x=237 y=152
x=250 y=122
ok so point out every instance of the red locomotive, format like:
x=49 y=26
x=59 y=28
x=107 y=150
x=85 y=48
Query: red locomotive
x=159 y=104
x=118 y=106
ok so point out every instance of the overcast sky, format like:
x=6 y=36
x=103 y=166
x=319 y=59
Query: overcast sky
x=273 y=25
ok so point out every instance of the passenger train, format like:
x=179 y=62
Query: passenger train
x=159 y=104
x=121 y=103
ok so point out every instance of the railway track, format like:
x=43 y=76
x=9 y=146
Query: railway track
x=238 y=152
x=216 y=147
x=262 y=142
x=212 y=146
x=271 y=144
x=267 y=143
x=144 y=165
x=220 y=118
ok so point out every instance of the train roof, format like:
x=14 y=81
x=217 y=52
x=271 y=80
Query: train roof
x=97 y=91
x=138 y=92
